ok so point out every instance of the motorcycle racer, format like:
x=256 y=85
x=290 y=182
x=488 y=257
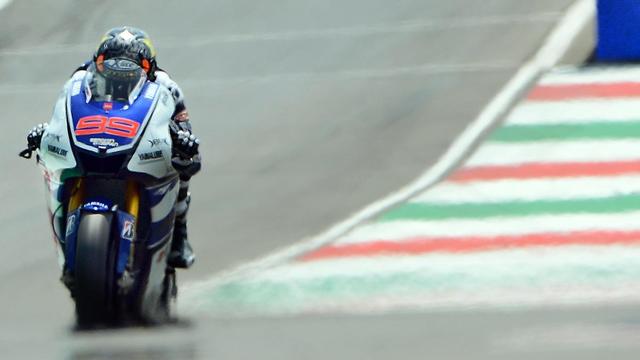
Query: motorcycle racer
x=108 y=76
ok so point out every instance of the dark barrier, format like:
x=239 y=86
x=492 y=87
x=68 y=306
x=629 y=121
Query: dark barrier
x=618 y=30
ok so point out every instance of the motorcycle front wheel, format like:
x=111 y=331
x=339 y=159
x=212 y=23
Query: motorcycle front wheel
x=95 y=284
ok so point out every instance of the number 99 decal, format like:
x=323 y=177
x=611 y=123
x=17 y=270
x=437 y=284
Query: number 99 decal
x=98 y=124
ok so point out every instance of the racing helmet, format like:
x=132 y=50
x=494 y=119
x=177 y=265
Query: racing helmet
x=128 y=43
x=115 y=79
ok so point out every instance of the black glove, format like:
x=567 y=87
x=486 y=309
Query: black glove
x=185 y=144
x=186 y=157
x=34 y=137
x=187 y=167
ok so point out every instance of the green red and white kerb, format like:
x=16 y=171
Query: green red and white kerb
x=545 y=212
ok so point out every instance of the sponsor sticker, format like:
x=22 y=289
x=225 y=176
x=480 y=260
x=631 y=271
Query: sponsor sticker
x=150 y=156
x=52 y=137
x=57 y=151
x=71 y=222
x=104 y=142
x=107 y=106
x=128 y=230
x=98 y=124
x=96 y=206
x=157 y=142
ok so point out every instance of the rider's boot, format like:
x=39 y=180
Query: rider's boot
x=181 y=255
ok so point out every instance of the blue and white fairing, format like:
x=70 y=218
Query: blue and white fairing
x=148 y=149
x=151 y=142
x=108 y=127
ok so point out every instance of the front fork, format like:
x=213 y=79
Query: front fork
x=126 y=225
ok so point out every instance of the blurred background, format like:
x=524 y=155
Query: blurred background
x=308 y=110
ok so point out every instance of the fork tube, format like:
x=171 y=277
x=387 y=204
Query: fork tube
x=77 y=194
x=133 y=208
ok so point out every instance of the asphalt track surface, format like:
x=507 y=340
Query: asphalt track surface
x=309 y=111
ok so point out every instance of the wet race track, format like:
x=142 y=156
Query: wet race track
x=309 y=111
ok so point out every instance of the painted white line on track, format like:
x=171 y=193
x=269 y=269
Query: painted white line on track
x=482 y=192
x=494 y=153
x=554 y=48
x=403 y=27
x=575 y=112
x=405 y=230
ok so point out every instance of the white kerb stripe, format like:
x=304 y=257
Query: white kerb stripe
x=572 y=112
x=493 y=226
x=556 y=44
x=569 y=76
x=491 y=154
x=530 y=190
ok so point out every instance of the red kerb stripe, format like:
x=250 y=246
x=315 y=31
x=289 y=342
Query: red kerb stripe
x=578 y=91
x=424 y=245
x=545 y=170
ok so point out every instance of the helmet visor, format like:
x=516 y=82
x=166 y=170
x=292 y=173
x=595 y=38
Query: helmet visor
x=115 y=80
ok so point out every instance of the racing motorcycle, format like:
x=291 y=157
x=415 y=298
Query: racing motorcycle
x=111 y=191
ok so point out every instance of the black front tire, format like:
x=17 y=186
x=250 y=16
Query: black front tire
x=94 y=272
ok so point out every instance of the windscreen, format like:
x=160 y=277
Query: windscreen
x=115 y=80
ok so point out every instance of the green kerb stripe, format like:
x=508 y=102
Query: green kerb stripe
x=431 y=211
x=595 y=130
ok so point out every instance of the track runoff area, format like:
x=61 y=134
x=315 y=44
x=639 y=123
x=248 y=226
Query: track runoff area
x=545 y=212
